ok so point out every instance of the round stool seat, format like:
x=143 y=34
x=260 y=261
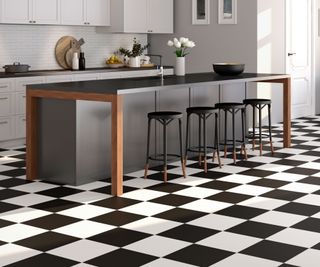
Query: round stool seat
x=165 y=115
x=229 y=105
x=202 y=110
x=256 y=101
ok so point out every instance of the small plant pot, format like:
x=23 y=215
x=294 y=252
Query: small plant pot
x=134 y=62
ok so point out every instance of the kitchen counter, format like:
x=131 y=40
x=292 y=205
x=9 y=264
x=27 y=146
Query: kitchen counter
x=66 y=72
x=115 y=92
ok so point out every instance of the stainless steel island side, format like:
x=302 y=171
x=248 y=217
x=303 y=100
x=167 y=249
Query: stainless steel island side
x=114 y=92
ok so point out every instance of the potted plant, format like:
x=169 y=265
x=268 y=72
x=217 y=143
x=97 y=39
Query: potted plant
x=181 y=47
x=135 y=53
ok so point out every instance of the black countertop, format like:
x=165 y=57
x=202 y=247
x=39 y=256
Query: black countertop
x=4 y=75
x=149 y=84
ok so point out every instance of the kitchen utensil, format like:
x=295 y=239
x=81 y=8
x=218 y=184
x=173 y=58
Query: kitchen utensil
x=16 y=67
x=75 y=48
x=228 y=68
x=62 y=46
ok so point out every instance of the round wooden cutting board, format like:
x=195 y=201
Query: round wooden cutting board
x=62 y=47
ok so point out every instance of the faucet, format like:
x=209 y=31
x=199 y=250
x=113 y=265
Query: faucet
x=160 y=67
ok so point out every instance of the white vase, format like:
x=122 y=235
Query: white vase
x=180 y=69
x=134 y=62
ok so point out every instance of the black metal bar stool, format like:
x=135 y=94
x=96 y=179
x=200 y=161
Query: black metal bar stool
x=203 y=114
x=233 y=108
x=259 y=104
x=164 y=117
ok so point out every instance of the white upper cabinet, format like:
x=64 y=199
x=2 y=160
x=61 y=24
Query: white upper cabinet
x=30 y=11
x=142 y=16
x=97 y=12
x=72 y=12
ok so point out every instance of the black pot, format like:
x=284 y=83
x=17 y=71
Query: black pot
x=16 y=67
x=228 y=68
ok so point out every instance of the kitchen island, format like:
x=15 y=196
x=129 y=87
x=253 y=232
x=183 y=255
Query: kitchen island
x=113 y=91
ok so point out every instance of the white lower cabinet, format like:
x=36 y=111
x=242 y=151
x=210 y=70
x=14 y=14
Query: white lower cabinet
x=20 y=126
x=20 y=103
x=6 y=104
x=6 y=128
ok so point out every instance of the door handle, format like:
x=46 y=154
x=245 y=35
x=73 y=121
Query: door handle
x=291 y=54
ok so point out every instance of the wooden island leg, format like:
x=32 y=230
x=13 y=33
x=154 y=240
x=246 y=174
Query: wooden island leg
x=32 y=137
x=117 y=146
x=287 y=112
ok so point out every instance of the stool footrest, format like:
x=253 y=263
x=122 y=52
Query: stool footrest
x=196 y=149
x=160 y=157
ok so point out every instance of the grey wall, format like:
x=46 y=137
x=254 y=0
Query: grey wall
x=214 y=42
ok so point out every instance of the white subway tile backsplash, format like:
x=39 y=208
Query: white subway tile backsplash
x=35 y=44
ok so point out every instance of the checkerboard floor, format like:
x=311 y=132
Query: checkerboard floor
x=261 y=212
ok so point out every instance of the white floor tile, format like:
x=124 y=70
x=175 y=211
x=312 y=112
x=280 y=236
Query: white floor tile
x=217 y=222
x=288 y=177
x=165 y=262
x=11 y=253
x=87 y=197
x=23 y=215
x=157 y=246
x=28 y=200
x=84 y=229
x=141 y=183
x=252 y=190
x=239 y=178
x=310 y=165
x=231 y=169
x=300 y=187
x=263 y=159
x=89 y=186
x=279 y=218
x=85 y=211
x=206 y=205
x=308 y=258
x=263 y=203
x=143 y=194
x=82 y=250
x=273 y=167
x=303 y=158
x=34 y=187
x=309 y=199
x=197 y=192
x=190 y=181
x=292 y=151
x=296 y=237
x=147 y=208
x=229 y=241
x=17 y=232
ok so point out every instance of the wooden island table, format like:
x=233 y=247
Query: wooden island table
x=114 y=90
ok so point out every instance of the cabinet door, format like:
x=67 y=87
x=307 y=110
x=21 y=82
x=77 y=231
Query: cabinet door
x=21 y=83
x=98 y=12
x=135 y=16
x=6 y=104
x=6 y=128
x=72 y=12
x=16 y=11
x=20 y=125
x=160 y=16
x=46 y=11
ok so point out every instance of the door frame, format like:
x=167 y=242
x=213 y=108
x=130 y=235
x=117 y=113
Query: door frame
x=312 y=49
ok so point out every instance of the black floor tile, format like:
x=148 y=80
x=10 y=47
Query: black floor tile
x=229 y=197
x=311 y=180
x=278 y=155
x=289 y=162
x=4 y=207
x=4 y=223
x=107 y=189
x=52 y=221
x=310 y=224
x=210 y=174
x=273 y=251
x=159 y=176
x=44 y=260
x=167 y=187
x=196 y=165
x=199 y=255
x=288 y=265
x=304 y=147
x=59 y=192
x=189 y=233
x=56 y=205
x=249 y=164
x=119 y=237
x=173 y=200
x=219 y=185
x=180 y=215
x=302 y=171
x=300 y=209
x=283 y=195
x=159 y=168
x=122 y=257
x=256 y=229
x=269 y=183
x=16 y=164
x=117 y=218
x=12 y=182
x=241 y=212
x=115 y=202
x=14 y=172
x=257 y=173
x=312 y=153
x=46 y=241
x=10 y=193
x=316 y=246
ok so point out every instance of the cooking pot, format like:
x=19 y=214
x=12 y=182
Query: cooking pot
x=16 y=67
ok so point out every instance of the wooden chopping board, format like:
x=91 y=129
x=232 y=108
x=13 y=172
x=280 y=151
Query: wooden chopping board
x=62 y=46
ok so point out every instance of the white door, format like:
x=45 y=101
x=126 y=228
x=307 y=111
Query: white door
x=135 y=16
x=16 y=11
x=98 y=12
x=299 y=56
x=160 y=16
x=46 y=11
x=72 y=12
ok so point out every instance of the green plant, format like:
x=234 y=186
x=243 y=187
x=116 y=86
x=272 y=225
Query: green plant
x=137 y=49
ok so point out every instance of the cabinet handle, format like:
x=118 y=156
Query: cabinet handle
x=30 y=21
x=3 y=122
x=24 y=120
x=34 y=21
x=23 y=96
x=4 y=86
x=4 y=98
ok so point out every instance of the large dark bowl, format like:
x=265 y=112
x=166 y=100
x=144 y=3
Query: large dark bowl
x=228 y=68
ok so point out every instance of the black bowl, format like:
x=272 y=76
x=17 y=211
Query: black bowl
x=228 y=68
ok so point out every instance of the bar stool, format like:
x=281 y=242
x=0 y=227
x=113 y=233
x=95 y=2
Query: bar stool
x=233 y=108
x=203 y=114
x=258 y=103
x=164 y=117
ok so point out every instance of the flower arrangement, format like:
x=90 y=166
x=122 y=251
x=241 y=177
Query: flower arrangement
x=137 y=49
x=181 y=46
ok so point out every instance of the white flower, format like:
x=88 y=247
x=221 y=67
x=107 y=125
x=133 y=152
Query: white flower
x=190 y=44
x=175 y=40
x=170 y=43
x=183 y=40
x=177 y=44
